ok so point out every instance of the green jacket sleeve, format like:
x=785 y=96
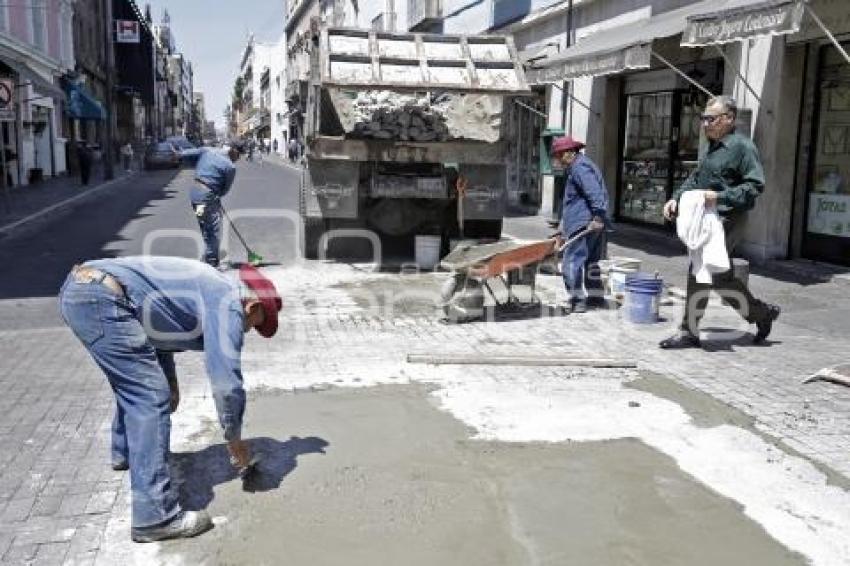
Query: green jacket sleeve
x=743 y=195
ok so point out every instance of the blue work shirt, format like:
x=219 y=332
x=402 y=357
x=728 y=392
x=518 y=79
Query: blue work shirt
x=585 y=196
x=184 y=304
x=216 y=172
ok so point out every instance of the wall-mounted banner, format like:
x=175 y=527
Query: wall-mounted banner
x=127 y=31
x=766 y=18
x=596 y=64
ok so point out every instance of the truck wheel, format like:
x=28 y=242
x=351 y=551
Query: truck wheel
x=313 y=230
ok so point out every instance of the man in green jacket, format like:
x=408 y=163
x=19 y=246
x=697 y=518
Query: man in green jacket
x=732 y=178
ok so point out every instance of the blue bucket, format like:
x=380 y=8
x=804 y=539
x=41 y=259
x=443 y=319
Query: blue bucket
x=643 y=294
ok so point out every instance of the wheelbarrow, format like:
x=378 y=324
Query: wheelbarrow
x=513 y=263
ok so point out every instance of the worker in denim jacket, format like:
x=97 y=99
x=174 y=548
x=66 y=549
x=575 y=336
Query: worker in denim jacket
x=214 y=175
x=585 y=207
x=132 y=314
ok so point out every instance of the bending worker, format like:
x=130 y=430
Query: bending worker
x=585 y=206
x=214 y=176
x=731 y=177
x=131 y=314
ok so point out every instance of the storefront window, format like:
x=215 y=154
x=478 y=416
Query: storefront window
x=646 y=156
x=828 y=222
x=662 y=139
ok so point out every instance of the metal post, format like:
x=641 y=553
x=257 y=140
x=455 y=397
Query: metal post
x=6 y=197
x=108 y=138
x=679 y=72
x=827 y=32
x=737 y=72
x=574 y=99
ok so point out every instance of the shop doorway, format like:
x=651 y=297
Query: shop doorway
x=827 y=234
x=660 y=150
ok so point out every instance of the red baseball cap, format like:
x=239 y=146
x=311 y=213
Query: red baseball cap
x=267 y=295
x=566 y=143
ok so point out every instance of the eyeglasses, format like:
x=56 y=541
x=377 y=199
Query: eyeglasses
x=708 y=119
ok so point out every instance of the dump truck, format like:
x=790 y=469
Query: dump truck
x=393 y=123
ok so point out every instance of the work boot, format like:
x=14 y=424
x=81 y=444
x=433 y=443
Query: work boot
x=765 y=325
x=186 y=524
x=680 y=340
x=578 y=306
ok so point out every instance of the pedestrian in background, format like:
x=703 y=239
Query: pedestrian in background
x=731 y=177
x=585 y=206
x=131 y=314
x=84 y=157
x=214 y=176
x=127 y=156
x=293 y=149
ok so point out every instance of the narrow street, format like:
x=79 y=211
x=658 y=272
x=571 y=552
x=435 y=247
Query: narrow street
x=369 y=459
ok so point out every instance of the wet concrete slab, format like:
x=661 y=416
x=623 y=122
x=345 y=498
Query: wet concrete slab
x=382 y=476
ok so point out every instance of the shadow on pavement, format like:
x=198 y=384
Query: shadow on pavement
x=37 y=261
x=197 y=473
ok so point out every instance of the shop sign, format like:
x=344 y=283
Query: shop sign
x=723 y=27
x=7 y=100
x=829 y=214
x=127 y=31
x=635 y=57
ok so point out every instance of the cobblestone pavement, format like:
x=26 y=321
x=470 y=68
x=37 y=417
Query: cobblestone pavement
x=60 y=503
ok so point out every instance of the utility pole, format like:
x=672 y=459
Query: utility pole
x=111 y=122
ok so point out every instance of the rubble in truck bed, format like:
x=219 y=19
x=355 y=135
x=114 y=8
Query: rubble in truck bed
x=388 y=115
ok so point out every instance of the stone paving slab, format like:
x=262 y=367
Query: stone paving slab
x=60 y=502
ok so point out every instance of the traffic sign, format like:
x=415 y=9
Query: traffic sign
x=7 y=100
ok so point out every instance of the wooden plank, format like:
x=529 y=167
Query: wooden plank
x=423 y=58
x=376 y=57
x=519 y=360
x=470 y=66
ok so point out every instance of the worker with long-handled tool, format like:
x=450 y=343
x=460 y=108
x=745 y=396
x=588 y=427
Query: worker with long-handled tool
x=214 y=176
x=131 y=314
x=585 y=209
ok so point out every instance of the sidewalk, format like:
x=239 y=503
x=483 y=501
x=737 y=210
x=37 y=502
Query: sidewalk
x=764 y=382
x=29 y=203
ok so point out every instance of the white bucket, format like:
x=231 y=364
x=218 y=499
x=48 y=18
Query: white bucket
x=427 y=251
x=618 y=271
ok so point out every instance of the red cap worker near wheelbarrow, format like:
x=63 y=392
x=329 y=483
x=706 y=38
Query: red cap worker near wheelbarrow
x=585 y=209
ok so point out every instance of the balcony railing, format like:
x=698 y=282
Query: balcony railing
x=422 y=13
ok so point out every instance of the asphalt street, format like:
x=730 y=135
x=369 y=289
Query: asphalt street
x=148 y=213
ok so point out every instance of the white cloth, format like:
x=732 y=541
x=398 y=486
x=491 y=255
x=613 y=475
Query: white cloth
x=702 y=232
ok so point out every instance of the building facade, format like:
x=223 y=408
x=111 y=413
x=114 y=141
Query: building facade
x=36 y=50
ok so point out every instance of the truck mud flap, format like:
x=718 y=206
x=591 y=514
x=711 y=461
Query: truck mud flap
x=486 y=195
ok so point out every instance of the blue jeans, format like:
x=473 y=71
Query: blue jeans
x=106 y=324
x=580 y=266
x=209 y=222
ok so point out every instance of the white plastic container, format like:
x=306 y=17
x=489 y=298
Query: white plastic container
x=619 y=269
x=427 y=251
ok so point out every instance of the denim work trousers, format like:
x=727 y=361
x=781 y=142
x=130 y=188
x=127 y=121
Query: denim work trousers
x=106 y=324
x=210 y=224
x=732 y=291
x=582 y=276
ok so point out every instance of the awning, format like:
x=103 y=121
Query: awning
x=743 y=19
x=82 y=105
x=617 y=49
x=26 y=75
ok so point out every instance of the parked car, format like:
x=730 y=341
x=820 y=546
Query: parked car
x=189 y=152
x=161 y=154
